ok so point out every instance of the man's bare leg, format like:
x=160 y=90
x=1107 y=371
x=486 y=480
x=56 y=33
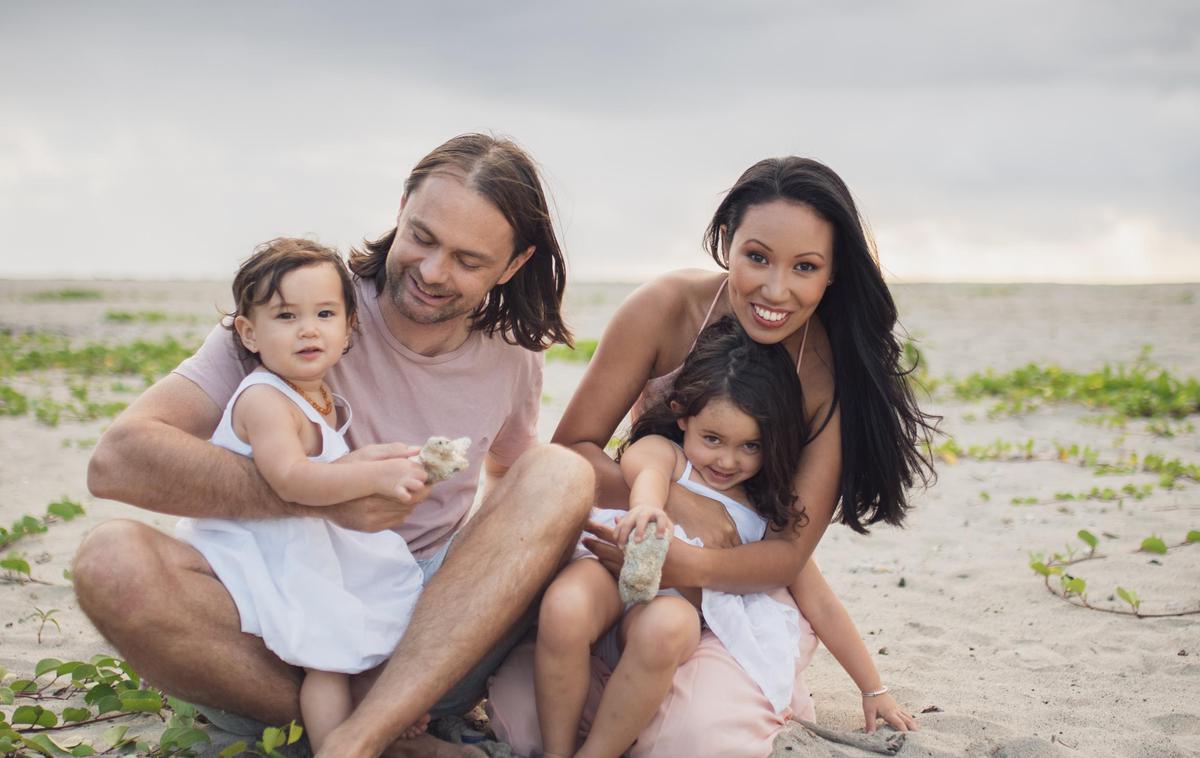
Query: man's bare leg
x=158 y=602
x=496 y=567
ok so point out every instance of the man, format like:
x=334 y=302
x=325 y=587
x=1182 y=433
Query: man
x=456 y=304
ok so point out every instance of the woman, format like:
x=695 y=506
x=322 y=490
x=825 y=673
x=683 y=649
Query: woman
x=801 y=272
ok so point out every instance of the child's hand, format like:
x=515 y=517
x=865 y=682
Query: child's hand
x=402 y=477
x=638 y=519
x=885 y=707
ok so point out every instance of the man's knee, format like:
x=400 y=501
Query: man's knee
x=564 y=471
x=114 y=569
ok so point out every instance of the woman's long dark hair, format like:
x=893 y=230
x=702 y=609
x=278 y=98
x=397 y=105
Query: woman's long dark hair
x=761 y=381
x=882 y=427
x=527 y=309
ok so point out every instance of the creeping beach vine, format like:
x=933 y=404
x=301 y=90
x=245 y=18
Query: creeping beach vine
x=1073 y=589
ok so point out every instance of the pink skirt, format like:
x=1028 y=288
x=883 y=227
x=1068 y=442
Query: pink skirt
x=713 y=707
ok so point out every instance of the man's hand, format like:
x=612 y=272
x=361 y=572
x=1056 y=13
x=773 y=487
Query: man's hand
x=677 y=570
x=702 y=517
x=367 y=514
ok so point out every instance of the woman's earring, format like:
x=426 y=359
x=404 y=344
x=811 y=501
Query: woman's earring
x=830 y=282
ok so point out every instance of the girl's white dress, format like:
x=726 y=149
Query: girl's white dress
x=761 y=633
x=320 y=596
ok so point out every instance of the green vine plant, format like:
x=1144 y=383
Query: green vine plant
x=1073 y=589
x=64 y=509
x=43 y=618
x=66 y=695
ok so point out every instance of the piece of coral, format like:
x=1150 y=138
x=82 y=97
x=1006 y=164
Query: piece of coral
x=642 y=571
x=443 y=457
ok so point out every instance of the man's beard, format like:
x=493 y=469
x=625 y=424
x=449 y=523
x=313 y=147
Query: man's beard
x=398 y=288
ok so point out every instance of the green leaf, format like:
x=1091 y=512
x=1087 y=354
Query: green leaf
x=20 y=686
x=6 y=696
x=108 y=705
x=141 y=701
x=1040 y=567
x=115 y=735
x=34 y=715
x=295 y=732
x=1074 y=586
x=65 y=509
x=1129 y=596
x=83 y=672
x=1154 y=544
x=1193 y=535
x=44 y=665
x=83 y=749
x=181 y=707
x=40 y=743
x=16 y=563
x=133 y=675
x=271 y=737
x=234 y=748
x=181 y=738
x=1088 y=537
x=76 y=714
x=98 y=693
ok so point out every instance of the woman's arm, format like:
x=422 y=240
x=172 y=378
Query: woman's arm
x=272 y=425
x=624 y=361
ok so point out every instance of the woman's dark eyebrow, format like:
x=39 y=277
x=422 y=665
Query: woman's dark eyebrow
x=767 y=247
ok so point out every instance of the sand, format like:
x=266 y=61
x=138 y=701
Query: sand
x=961 y=623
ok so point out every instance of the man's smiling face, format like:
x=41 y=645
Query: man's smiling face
x=452 y=246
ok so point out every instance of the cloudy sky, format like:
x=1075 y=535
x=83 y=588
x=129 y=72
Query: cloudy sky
x=1024 y=141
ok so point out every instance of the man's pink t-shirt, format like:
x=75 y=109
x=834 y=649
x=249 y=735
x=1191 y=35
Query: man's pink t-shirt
x=487 y=390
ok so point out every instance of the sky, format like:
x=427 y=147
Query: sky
x=1007 y=141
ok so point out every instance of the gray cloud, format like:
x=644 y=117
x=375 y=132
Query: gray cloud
x=165 y=139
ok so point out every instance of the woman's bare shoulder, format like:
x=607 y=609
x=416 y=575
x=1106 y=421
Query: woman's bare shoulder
x=673 y=296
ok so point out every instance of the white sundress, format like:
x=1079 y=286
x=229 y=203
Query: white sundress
x=320 y=596
x=761 y=633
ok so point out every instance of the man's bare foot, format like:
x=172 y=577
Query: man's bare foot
x=417 y=729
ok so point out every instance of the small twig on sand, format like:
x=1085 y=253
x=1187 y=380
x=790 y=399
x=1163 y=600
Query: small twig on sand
x=884 y=744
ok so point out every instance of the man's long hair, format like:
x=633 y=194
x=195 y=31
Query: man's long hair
x=527 y=309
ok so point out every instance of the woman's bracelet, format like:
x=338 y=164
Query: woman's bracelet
x=875 y=693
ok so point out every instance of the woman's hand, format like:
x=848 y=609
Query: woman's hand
x=637 y=520
x=678 y=569
x=885 y=707
x=702 y=517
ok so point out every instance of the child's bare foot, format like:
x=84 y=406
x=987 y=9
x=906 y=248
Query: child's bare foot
x=417 y=729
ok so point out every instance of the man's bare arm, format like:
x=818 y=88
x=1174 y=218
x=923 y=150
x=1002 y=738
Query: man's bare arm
x=156 y=455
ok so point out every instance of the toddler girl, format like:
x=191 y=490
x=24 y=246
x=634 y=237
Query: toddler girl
x=730 y=430
x=331 y=600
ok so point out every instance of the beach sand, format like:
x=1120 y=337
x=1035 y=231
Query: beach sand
x=961 y=625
